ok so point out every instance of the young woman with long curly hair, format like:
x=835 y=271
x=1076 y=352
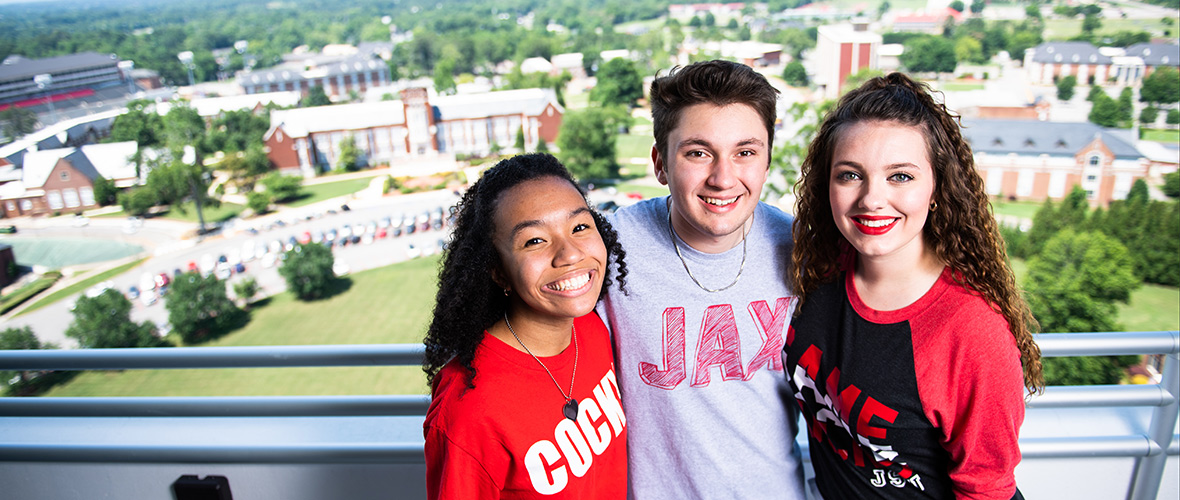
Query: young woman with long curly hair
x=525 y=402
x=912 y=349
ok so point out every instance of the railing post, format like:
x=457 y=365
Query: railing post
x=1150 y=472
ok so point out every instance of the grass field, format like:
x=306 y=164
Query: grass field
x=1023 y=209
x=633 y=146
x=328 y=190
x=1151 y=134
x=386 y=305
x=959 y=86
x=81 y=285
x=1151 y=308
x=1064 y=29
x=222 y=213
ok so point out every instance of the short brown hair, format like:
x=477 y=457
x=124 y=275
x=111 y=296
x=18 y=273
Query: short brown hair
x=716 y=82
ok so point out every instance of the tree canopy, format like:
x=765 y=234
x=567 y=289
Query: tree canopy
x=587 y=140
x=199 y=308
x=104 y=321
x=1162 y=86
x=929 y=54
x=619 y=83
x=308 y=271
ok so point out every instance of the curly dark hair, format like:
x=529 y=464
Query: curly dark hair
x=716 y=82
x=962 y=230
x=468 y=300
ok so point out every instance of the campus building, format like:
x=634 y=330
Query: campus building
x=1050 y=61
x=1035 y=160
x=338 y=76
x=62 y=180
x=417 y=125
x=841 y=50
x=70 y=76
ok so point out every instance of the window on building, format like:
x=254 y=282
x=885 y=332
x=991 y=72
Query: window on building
x=65 y=176
x=1091 y=178
x=1089 y=194
x=26 y=205
x=54 y=199
x=11 y=206
x=1095 y=160
x=87 y=194
x=71 y=197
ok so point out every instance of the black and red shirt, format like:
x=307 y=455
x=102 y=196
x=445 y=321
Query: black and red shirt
x=921 y=402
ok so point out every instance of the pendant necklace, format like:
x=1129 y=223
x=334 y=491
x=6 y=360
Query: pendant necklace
x=570 y=408
x=672 y=232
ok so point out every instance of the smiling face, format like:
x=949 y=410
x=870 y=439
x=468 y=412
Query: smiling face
x=551 y=255
x=881 y=185
x=716 y=163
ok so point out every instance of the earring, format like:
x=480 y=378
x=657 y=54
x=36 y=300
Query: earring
x=933 y=205
x=505 y=292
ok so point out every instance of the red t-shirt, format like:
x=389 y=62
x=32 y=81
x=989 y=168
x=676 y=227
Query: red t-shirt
x=922 y=402
x=507 y=437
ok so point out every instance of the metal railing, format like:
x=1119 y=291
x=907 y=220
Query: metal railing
x=1151 y=449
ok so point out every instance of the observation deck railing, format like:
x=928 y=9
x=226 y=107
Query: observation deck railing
x=51 y=439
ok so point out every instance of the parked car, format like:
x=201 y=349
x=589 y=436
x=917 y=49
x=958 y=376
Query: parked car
x=148 y=297
x=133 y=292
x=162 y=280
x=147 y=282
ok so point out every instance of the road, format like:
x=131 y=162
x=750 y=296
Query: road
x=171 y=253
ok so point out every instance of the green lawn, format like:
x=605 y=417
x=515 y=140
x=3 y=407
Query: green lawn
x=81 y=285
x=222 y=213
x=633 y=146
x=1152 y=134
x=386 y=305
x=645 y=190
x=960 y=86
x=328 y=190
x=1151 y=308
x=577 y=101
x=1064 y=29
x=1023 y=209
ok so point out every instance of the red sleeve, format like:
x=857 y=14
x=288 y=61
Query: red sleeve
x=972 y=389
x=452 y=472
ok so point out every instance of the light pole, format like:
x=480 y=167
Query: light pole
x=186 y=58
x=126 y=67
x=43 y=81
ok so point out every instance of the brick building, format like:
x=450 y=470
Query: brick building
x=337 y=76
x=1034 y=160
x=62 y=180
x=841 y=50
x=419 y=124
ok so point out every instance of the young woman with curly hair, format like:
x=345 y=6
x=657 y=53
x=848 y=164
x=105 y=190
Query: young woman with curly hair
x=524 y=398
x=912 y=349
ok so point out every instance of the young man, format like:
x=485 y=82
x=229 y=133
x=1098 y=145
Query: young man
x=699 y=338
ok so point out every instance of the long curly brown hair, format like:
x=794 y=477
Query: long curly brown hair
x=962 y=230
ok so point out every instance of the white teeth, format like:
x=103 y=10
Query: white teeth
x=718 y=201
x=876 y=223
x=571 y=283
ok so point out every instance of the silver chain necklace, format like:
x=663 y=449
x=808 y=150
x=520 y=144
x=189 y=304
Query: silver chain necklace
x=570 y=408
x=672 y=232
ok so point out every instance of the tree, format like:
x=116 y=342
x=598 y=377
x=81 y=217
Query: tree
x=977 y=6
x=258 y=202
x=587 y=141
x=444 y=77
x=1065 y=87
x=349 y=158
x=246 y=289
x=519 y=142
x=1095 y=91
x=1072 y=286
x=199 y=308
x=958 y=6
x=542 y=146
x=308 y=271
x=1126 y=107
x=1148 y=115
x=184 y=134
x=105 y=192
x=1090 y=24
x=1171 y=185
x=18 y=121
x=619 y=83
x=1021 y=41
x=795 y=75
x=138 y=201
x=1162 y=86
x=281 y=187
x=1105 y=111
x=23 y=338
x=104 y=321
x=1173 y=117
x=969 y=49
x=246 y=167
x=929 y=54
x=140 y=123
x=315 y=97
x=859 y=78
